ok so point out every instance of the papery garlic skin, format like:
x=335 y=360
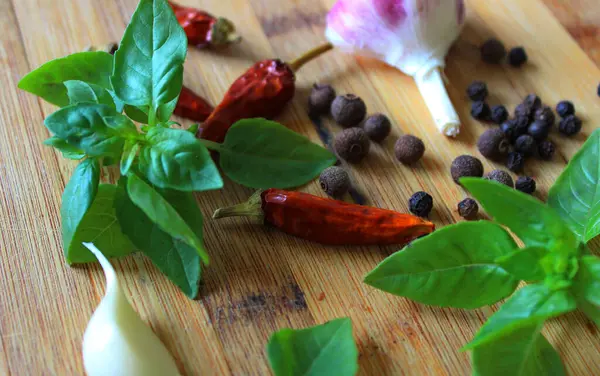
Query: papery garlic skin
x=116 y=341
x=411 y=35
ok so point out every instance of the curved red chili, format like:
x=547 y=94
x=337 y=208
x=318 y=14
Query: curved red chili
x=329 y=221
x=192 y=106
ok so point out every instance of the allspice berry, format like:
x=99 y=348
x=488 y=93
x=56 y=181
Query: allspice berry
x=409 y=149
x=525 y=144
x=348 y=110
x=493 y=144
x=565 y=108
x=377 y=127
x=466 y=166
x=501 y=177
x=334 y=181
x=517 y=57
x=352 y=144
x=468 y=208
x=493 y=51
x=545 y=115
x=477 y=91
x=546 y=150
x=525 y=184
x=570 y=125
x=320 y=99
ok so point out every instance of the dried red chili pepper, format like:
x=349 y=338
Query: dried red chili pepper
x=191 y=106
x=262 y=91
x=203 y=29
x=328 y=221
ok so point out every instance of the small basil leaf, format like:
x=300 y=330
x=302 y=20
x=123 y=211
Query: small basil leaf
x=586 y=284
x=258 y=153
x=67 y=150
x=47 y=80
x=149 y=62
x=525 y=263
x=530 y=305
x=83 y=92
x=592 y=311
x=160 y=210
x=452 y=267
x=101 y=227
x=175 y=159
x=137 y=114
x=129 y=154
x=173 y=257
x=576 y=193
x=121 y=125
x=82 y=126
x=193 y=129
x=77 y=199
x=536 y=224
x=524 y=352
x=327 y=349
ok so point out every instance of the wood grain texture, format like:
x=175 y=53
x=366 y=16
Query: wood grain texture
x=261 y=280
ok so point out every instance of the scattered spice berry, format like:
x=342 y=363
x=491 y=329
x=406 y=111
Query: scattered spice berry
x=501 y=177
x=565 y=108
x=511 y=129
x=598 y=91
x=493 y=144
x=523 y=110
x=517 y=56
x=348 y=110
x=499 y=114
x=334 y=181
x=525 y=145
x=538 y=130
x=466 y=166
x=352 y=144
x=377 y=127
x=525 y=184
x=546 y=150
x=515 y=161
x=477 y=91
x=533 y=101
x=468 y=208
x=493 y=51
x=420 y=204
x=545 y=115
x=521 y=125
x=319 y=101
x=409 y=149
x=570 y=126
x=480 y=110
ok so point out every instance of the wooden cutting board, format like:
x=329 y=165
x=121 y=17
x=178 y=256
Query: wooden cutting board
x=261 y=280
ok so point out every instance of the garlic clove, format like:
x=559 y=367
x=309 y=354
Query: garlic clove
x=116 y=341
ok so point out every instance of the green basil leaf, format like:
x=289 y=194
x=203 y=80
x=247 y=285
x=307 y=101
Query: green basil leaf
x=576 y=193
x=122 y=126
x=173 y=257
x=193 y=129
x=47 y=80
x=77 y=199
x=258 y=153
x=175 y=159
x=525 y=263
x=160 y=210
x=524 y=352
x=129 y=154
x=586 y=287
x=149 y=62
x=83 y=127
x=327 y=349
x=528 y=306
x=591 y=311
x=67 y=150
x=452 y=267
x=83 y=92
x=141 y=114
x=536 y=224
x=101 y=227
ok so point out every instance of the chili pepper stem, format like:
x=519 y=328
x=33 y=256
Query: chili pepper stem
x=250 y=208
x=298 y=62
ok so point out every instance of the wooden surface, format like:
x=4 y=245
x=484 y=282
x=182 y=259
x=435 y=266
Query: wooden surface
x=261 y=280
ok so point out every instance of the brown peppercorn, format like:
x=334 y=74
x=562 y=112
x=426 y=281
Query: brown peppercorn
x=533 y=101
x=545 y=115
x=468 y=208
x=493 y=144
x=546 y=150
x=517 y=56
x=334 y=181
x=409 y=149
x=493 y=51
x=352 y=144
x=570 y=126
x=523 y=110
x=466 y=166
x=377 y=127
x=348 y=110
x=320 y=99
x=477 y=91
x=525 y=184
x=501 y=177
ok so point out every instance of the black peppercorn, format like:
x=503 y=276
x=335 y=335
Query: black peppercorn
x=545 y=115
x=521 y=125
x=320 y=99
x=334 y=181
x=501 y=177
x=499 y=114
x=533 y=101
x=477 y=91
x=468 y=208
x=377 y=127
x=525 y=145
x=565 y=108
x=420 y=204
x=515 y=161
x=493 y=51
x=493 y=144
x=409 y=149
x=525 y=184
x=480 y=110
x=514 y=128
x=466 y=166
x=524 y=110
x=517 y=56
x=538 y=130
x=570 y=126
x=352 y=144
x=348 y=110
x=546 y=150
x=598 y=91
